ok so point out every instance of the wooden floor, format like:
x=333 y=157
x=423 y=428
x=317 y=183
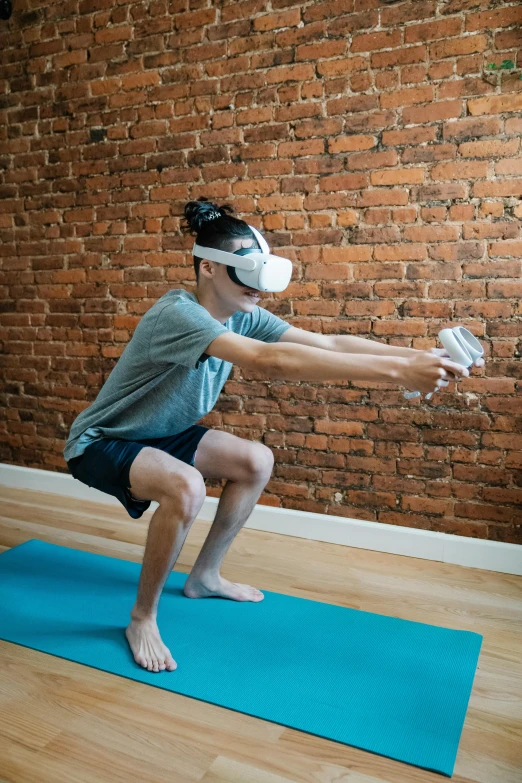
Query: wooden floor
x=61 y=722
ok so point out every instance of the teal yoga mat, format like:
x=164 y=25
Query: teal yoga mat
x=389 y=686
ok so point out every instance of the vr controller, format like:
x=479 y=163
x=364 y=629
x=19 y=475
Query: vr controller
x=462 y=348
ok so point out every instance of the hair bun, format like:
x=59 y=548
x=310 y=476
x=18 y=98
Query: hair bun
x=202 y=211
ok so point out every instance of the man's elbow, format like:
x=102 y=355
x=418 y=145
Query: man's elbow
x=268 y=361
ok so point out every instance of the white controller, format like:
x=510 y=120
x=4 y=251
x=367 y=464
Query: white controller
x=462 y=348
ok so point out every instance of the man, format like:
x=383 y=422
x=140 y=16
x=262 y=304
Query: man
x=139 y=442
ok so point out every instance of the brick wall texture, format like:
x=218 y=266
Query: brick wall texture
x=373 y=144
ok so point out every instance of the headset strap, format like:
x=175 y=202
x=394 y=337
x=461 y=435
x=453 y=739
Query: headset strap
x=223 y=257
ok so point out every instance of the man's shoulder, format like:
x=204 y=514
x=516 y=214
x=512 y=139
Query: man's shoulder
x=172 y=300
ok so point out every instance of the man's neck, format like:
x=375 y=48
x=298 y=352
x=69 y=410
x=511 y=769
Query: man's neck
x=215 y=307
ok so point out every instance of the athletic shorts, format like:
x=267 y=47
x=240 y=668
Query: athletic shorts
x=105 y=463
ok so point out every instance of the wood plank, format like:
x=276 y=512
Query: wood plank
x=61 y=721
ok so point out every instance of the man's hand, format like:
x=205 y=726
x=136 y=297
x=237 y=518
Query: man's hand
x=425 y=371
x=443 y=352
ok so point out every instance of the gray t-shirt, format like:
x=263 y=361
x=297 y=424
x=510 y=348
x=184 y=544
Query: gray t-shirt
x=164 y=382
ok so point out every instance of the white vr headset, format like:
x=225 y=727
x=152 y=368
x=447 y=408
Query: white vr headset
x=251 y=267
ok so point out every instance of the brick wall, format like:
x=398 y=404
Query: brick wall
x=373 y=144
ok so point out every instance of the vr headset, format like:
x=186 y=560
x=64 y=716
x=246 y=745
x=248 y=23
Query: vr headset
x=251 y=267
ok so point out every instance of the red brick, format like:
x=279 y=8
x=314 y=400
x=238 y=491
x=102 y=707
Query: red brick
x=460 y=170
x=351 y=143
x=407 y=97
x=494 y=230
x=490 y=20
x=379 y=196
x=443 y=110
x=428 y=154
x=405 y=56
x=368 y=42
x=496 y=104
x=413 y=74
x=466 y=290
x=397 y=177
x=406 y=252
x=490 y=149
x=507 y=249
x=300 y=148
x=299 y=73
x=342 y=182
x=433 y=30
x=111 y=34
x=470 y=128
x=427 y=505
x=458 y=46
x=440 y=70
x=389 y=242
x=372 y=160
x=342 y=67
x=431 y=233
x=289 y=18
x=501 y=188
x=350 y=253
x=464 y=88
x=320 y=51
x=408 y=136
x=509 y=167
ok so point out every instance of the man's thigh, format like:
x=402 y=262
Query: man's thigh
x=223 y=455
x=154 y=474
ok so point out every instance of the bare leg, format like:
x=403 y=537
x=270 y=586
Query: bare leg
x=164 y=543
x=235 y=506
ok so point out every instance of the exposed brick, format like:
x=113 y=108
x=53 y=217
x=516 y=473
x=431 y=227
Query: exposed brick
x=443 y=110
x=408 y=136
x=433 y=30
x=371 y=147
x=289 y=18
x=496 y=104
x=367 y=42
x=458 y=46
x=501 y=188
x=341 y=67
x=397 y=177
x=351 y=143
x=471 y=128
x=509 y=167
x=460 y=170
x=489 y=149
x=407 y=97
x=403 y=56
x=490 y=20
x=372 y=160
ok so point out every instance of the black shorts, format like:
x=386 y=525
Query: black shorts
x=105 y=463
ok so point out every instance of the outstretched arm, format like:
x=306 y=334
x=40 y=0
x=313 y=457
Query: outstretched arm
x=343 y=343
x=347 y=343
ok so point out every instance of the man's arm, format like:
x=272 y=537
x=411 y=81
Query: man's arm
x=295 y=362
x=343 y=343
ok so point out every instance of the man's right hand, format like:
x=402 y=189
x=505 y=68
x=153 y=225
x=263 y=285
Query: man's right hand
x=425 y=370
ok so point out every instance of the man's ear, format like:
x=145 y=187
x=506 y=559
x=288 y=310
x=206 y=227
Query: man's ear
x=207 y=268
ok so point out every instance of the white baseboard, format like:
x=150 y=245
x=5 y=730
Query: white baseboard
x=376 y=536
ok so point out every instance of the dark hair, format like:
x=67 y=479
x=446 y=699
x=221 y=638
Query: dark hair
x=214 y=226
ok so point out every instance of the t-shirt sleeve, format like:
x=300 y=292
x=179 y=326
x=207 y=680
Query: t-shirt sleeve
x=181 y=334
x=266 y=326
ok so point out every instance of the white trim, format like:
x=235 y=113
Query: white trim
x=376 y=536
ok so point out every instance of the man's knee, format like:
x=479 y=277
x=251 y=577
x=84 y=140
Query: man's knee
x=259 y=463
x=185 y=492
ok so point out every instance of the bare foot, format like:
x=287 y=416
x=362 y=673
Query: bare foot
x=196 y=588
x=147 y=648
